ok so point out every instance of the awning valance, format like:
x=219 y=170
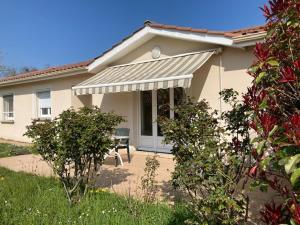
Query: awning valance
x=175 y=71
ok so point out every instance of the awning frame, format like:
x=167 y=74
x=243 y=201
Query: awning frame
x=161 y=80
x=136 y=82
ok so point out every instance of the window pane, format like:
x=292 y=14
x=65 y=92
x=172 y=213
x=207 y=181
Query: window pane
x=163 y=106
x=8 y=103
x=45 y=111
x=146 y=113
x=44 y=103
x=8 y=107
x=179 y=96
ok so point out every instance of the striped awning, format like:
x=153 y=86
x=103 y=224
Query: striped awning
x=175 y=71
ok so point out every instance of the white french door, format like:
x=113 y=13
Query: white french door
x=153 y=104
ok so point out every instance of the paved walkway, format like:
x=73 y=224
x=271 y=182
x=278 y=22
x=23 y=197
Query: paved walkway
x=122 y=179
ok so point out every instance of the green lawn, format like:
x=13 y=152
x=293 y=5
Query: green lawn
x=7 y=150
x=29 y=199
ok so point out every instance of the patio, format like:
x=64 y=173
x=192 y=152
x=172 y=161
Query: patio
x=123 y=180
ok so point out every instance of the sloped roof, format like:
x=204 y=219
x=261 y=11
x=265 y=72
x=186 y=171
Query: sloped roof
x=52 y=71
x=233 y=33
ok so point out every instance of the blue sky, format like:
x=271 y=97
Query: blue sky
x=43 y=33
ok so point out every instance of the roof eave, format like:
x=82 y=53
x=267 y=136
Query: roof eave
x=145 y=34
x=47 y=76
x=249 y=40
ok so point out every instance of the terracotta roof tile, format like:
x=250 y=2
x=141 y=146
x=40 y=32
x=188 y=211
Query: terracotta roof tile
x=233 y=33
x=46 y=71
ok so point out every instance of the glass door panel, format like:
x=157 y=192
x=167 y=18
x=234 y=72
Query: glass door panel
x=179 y=96
x=146 y=113
x=163 y=106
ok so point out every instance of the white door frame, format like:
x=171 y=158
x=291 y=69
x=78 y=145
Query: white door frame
x=144 y=142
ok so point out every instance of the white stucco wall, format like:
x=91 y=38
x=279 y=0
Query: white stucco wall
x=25 y=103
x=206 y=83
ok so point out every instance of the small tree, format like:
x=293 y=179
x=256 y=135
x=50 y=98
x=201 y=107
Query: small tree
x=208 y=167
x=74 y=144
x=148 y=182
x=274 y=101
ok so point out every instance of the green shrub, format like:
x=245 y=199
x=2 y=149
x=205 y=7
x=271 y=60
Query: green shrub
x=274 y=103
x=75 y=144
x=209 y=168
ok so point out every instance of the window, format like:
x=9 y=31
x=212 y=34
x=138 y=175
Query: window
x=8 y=107
x=44 y=104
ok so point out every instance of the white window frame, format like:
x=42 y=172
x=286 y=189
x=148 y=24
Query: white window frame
x=39 y=109
x=5 y=115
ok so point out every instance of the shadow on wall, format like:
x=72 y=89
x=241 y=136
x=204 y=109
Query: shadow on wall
x=237 y=59
x=200 y=79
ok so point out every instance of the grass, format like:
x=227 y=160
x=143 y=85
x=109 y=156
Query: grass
x=29 y=199
x=7 y=150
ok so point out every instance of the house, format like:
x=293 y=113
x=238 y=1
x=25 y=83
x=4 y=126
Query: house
x=157 y=64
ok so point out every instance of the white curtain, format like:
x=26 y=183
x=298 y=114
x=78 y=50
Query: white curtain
x=8 y=103
x=44 y=99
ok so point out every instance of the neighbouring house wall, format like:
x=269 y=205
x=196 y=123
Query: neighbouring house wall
x=25 y=103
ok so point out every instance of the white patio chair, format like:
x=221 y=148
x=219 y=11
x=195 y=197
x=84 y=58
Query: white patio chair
x=116 y=155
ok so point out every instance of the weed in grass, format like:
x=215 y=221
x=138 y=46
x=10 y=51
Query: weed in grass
x=28 y=200
x=7 y=150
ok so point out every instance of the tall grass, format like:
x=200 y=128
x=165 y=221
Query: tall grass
x=7 y=150
x=29 y=199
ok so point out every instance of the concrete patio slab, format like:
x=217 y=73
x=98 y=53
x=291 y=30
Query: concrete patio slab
x=125 y=180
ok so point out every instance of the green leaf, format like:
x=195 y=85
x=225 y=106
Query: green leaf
x=260 y=146
x=265 y=162
x=292 y=222
x=275 y=128
x=256 y=139
x=263 y=187
x=263 y=105
x=295 y=176
x=273 y=62
x=253 y=69
x=260 y=76
x=283 y=161
x=292 y=163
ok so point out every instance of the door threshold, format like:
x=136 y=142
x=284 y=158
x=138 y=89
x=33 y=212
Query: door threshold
x=155 y=150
